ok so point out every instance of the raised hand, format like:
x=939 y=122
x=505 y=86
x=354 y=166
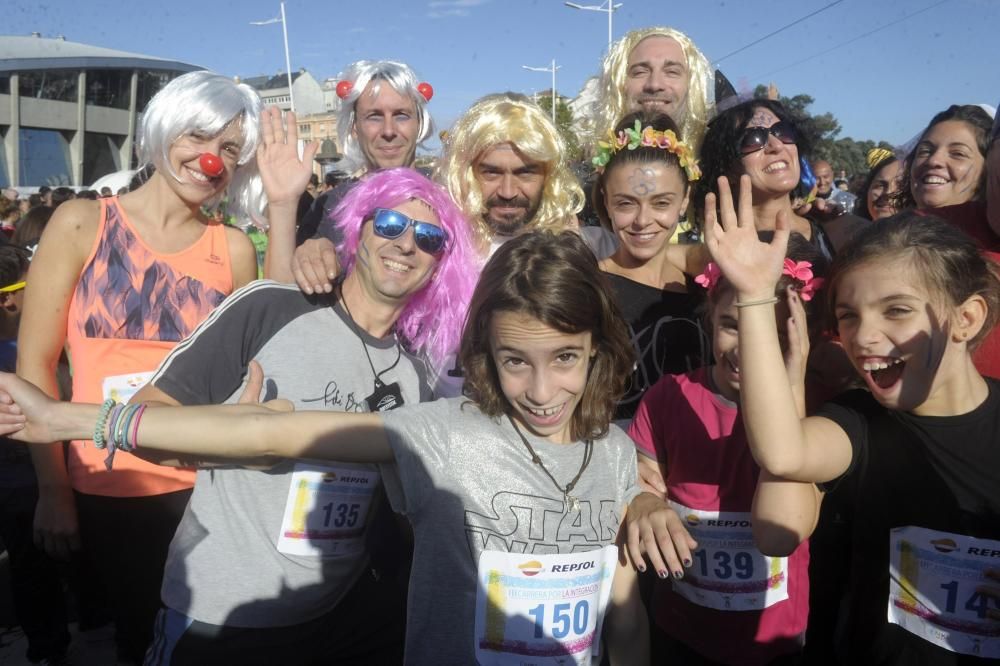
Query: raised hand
x=283 y=174
x=752 y=267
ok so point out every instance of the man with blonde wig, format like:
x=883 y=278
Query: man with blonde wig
x=504 y=164
x=655 y=69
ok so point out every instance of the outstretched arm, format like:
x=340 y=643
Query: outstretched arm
x=220 y=431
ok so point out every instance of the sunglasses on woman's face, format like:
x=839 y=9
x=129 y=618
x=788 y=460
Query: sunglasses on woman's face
x=755 y=138
x=392 y=224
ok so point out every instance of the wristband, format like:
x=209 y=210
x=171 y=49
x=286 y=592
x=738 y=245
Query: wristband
x=760 y=301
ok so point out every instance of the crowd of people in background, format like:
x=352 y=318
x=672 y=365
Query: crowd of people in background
x=719 y=402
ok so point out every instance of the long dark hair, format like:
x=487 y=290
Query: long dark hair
x=981 y=125
x=555 y=279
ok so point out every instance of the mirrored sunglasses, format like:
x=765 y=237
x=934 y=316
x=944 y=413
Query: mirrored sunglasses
x=392 y=224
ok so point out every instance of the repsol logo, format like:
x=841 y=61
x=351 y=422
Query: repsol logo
x=353 y=479
x=567 y=568
x=728 y=523
x=983 y=552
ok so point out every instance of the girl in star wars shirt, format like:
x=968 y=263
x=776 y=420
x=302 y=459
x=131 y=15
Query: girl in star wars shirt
x=516 y=493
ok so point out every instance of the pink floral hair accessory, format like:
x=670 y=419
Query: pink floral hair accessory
x=801 y=271
x=709 y=277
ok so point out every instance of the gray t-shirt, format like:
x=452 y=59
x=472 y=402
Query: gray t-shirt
x=282 y=546
x=469 y=485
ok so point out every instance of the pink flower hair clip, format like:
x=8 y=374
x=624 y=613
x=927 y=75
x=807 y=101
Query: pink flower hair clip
x=709 y=277
x=801 y=271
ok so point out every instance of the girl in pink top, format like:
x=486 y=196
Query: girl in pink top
x=730 y=604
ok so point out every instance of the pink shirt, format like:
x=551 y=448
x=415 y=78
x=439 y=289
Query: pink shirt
x=698 y=434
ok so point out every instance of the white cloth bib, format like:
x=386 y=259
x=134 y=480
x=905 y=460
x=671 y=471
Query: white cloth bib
x=326 y=510
x=542 y=609
x=933 y=578
x=121 y=388
x=728 y=572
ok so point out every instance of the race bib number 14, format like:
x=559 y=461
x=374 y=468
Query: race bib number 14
x=933 y=589
x=542 y=609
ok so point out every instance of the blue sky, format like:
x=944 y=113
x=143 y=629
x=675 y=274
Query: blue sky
x=885 y=85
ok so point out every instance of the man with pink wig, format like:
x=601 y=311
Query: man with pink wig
x=295 y=564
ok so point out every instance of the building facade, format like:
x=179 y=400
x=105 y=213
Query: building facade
x=68 y=111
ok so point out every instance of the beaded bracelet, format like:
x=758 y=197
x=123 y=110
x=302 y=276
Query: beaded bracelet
x=123 y=430
x=102 y=420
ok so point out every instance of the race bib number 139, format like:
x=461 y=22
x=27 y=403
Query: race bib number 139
x=728 y=573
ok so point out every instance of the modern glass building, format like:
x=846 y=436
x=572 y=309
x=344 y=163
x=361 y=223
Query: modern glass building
x=68 y=111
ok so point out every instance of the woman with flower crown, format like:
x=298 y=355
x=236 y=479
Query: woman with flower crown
x=640 y=193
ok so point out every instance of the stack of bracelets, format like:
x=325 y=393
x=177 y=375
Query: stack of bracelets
x=122 y=423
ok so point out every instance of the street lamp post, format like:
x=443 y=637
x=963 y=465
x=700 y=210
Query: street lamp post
x=288 y=60
x=552 y=69
x=610 y=9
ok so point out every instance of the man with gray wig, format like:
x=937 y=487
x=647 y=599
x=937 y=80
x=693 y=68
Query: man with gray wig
x=381 y=120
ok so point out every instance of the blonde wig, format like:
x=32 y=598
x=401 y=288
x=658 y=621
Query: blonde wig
x=514 y=119
x=610 y=105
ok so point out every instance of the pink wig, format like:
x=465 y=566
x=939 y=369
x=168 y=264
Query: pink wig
x=432 y=320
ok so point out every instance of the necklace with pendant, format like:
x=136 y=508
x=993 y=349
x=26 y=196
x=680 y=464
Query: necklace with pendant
x=571 y=502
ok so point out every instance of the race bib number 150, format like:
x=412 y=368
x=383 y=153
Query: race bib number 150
x=542 y=609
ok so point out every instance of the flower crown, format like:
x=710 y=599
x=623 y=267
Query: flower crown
x=632 y=137
x=800 y=271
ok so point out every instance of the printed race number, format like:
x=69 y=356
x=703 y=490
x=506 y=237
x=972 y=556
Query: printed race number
x=728 y=572
x=533 y=609
x=326 y=510
x=933 y=589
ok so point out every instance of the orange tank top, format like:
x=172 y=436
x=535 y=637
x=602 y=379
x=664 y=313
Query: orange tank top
x=131 y=306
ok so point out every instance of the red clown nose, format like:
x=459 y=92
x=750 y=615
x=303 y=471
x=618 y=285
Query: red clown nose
x=210 y=164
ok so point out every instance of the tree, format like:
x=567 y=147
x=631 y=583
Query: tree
x=564 y=123
x=821 y=131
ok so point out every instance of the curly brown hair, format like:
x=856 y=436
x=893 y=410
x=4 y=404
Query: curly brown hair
x=555 y=279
